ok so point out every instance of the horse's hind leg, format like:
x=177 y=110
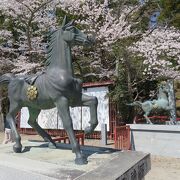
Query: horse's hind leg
x=33 y=114
x=148 y=121
x=91 y=102
x=63 y=109
x=13 y=110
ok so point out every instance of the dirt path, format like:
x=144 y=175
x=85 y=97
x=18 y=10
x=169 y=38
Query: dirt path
x=162 y=168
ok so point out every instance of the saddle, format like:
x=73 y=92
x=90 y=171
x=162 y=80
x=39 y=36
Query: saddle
x=31 y=79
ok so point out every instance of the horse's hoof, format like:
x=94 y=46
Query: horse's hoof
x=46 y=139
x=89 y=129
x=17 y=149
x=52 y=145
x=81 y=161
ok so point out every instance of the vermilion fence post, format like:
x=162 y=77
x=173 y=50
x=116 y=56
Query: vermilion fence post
x=122 y=137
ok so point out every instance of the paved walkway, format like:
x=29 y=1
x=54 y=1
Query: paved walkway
x=37 y=162
x=162 y=167
x=16 y=174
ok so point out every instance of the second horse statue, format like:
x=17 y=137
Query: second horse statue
x=56 y=86
x=161 y=103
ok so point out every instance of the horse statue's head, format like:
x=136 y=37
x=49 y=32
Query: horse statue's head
x=73 y=36
x=164 y=86
x=61 y=40
x=163 y=90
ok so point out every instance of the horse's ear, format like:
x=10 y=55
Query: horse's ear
x=68 y=25
x=64 y=21
x=71 y=23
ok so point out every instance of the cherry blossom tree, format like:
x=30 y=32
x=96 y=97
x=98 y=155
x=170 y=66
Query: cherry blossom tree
x=161 y=52
x=30 y=19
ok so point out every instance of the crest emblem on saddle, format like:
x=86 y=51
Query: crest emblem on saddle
x=32 y=92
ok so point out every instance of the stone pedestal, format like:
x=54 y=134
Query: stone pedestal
x=156 y=139
x=39 y=162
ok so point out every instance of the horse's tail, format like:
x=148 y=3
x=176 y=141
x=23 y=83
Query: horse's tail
x=6 y=78
x=135 y=103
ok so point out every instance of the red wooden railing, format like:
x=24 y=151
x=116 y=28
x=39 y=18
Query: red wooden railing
x=65 y=139
x=122 y=138
x=158 y=119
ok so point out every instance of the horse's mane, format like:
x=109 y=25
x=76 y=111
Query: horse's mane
x=54 y=37
x=51 y=45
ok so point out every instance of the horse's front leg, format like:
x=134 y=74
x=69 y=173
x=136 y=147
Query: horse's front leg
x=63 y=110
x=13 y=110
x=92 y=103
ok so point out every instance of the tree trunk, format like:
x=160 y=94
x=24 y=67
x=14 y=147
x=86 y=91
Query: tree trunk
x=130 y=91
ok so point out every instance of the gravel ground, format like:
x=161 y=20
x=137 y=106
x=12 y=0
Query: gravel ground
x=162 y=168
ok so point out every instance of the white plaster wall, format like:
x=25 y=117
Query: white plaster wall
x=24 y=118
x=49 y=119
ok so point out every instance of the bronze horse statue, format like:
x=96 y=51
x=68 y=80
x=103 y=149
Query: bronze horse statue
x=56 y=86
x=160 y=103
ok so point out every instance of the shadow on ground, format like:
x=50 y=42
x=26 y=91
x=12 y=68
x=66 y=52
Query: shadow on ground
x=86 y=150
